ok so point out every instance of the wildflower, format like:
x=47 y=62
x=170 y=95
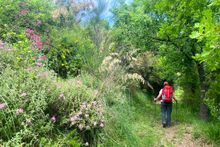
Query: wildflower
x=86 y=144
x=86 y=115
x=39 y=63
x=79 y=113
x=101 y=125
x=9 y=49
x=53 y=119
x=20 y=110
x=96 y=93
x=23 y=12
x=94 y=103
x=33 y=37
x=29 y=69
x=2 y=105
x=44 y=57
x=80 y=126
x=62 y=95
x=82 y=106
x=34 y=57
x=87 y=127
x=95 y=123
x=2 y=45
x=23 y=4
x=24 y=94
x=79 y=82
x=43 y=74
x=39 y=45
x=39 y=23
x=29 y=31
x=73 y=118
x=28 y=121
x=73 y=123
x=37 y=38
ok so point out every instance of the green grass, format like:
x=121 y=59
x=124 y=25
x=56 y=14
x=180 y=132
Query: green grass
x=137 y=122
x=131 y=123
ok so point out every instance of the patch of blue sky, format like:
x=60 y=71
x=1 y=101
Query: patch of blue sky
x=107 y=14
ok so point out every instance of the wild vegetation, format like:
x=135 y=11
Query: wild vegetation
x=69 y=77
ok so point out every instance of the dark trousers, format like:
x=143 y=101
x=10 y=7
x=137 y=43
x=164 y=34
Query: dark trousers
x=166 y=109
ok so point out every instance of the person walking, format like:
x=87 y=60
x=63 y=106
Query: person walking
x=166 y=96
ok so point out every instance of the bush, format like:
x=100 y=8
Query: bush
x=35 y=104
x=26 y=98
x=71 y=51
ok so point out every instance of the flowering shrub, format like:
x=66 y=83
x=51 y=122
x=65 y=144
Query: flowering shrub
x=17 y=15
x=88 y=119
x=34 y=104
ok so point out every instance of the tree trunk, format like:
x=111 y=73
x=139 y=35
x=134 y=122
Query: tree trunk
x=203 y=87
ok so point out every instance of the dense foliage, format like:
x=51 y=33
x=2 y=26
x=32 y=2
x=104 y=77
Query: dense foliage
x=69 y=78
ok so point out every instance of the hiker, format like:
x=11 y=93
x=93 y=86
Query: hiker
x=165 y=96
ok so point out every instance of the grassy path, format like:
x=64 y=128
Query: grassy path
x=146 y=126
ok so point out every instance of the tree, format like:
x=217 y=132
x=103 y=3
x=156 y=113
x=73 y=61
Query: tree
x=165 y=28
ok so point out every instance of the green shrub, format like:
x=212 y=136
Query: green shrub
x=71 y=50
x=34 y=104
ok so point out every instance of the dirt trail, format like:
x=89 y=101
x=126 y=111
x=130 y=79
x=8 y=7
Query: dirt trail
x=180 y=135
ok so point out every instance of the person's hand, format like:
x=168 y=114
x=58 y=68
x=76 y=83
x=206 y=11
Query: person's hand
x=155 y=99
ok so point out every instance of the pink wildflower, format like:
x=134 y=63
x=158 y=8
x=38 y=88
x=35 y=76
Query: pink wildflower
x=2 y=45
x=101 y=125
x=39 y=63
x=2 y=105
x=39 y=23
x=53 y=119
x=94 y=103
x=20 y=110
x=23 y=12
x=37 y=38
x=44 y=57
x=39 y=45
x=23 y=4
x=62 y=95
x=29 y=31
x=73 y=118
x=29 y=69
x=34 y=57
x=82 y=106
x=24 y=94
x=33 y=37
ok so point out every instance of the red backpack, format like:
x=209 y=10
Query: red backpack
x=167 y=93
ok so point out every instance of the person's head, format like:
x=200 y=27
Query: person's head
x=165 y=83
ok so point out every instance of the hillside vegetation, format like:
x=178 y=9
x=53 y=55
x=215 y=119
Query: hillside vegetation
x=69 y=77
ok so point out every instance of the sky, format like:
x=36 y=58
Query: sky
x=107 y=15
